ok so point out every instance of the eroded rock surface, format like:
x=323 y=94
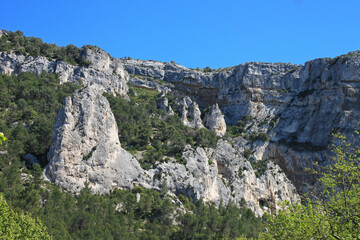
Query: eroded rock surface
x=105 y=71
x=86 y=148
x=295 y=106
x=215 y=120
x=223 y=174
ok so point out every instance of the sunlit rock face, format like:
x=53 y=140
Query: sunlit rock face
x=224 y=175
x=294 y=106
x=103 y=70
x=86 y=148
x=215 y=120
x=298 y=106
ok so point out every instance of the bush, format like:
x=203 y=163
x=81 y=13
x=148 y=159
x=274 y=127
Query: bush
x=18 y=43
x=263 y=137
x=247 y=153
x=332 y=214
x=28 y=114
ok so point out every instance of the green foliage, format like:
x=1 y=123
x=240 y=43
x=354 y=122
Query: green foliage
x=238 y=129
x=2 y=138
x=19 y=226
x=334 y=214
x=207 y=69
x=18 y=43
x=27 y=115
x=123 y=214
x=144 y=127
x=209 y=222
x=263 y=136
x=28 y=112
x=247 y=153
x=259 y=166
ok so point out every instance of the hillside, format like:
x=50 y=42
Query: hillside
x=242 y=135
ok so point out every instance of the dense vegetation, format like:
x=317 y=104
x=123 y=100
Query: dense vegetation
x=34 y=209
x=144 y=127
x=28 y=108
x=19 y=226
x=132 y=214
x=333 y=212
x=16 y=42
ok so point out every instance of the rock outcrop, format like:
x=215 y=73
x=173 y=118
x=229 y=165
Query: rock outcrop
x=295 y=106
x=190 y=113
x=105 y=72
x=86 y=148
x=163 y=104
x=224 y=175
x=215 y=120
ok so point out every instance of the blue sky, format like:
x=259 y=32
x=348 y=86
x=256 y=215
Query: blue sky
x=196 y=33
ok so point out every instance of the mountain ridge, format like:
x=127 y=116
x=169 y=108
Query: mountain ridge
x=272 y=110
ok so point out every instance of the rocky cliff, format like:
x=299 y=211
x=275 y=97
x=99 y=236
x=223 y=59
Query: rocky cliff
x=295 y=108
x=86 y=147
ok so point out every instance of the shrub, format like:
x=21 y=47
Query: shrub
x=247 y=153
x=263 y=137
x=334 y=212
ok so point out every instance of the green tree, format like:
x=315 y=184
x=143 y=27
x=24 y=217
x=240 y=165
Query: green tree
x=335 y=212
x=19 y=226
x=2 y=138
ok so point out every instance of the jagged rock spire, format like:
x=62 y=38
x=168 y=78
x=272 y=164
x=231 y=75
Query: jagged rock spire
x=215 y=120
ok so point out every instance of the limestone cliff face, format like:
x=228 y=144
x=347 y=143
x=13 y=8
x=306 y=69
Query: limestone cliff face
x=215 y=120
x=86 y=148
x=296 y=105
x=104 y=71
x=223 y=174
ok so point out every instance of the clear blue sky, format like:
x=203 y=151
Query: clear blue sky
x=195 y=33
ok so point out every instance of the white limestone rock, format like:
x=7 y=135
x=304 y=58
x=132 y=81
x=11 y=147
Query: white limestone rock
x=215 y=121
x=86 y=148
x=224 y=175
x=107 y=73
x=190 y=113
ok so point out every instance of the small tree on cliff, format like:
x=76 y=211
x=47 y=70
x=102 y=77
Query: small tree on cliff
x=335 y=214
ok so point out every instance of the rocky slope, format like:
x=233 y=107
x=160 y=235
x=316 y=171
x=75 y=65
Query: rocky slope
x=296 y=106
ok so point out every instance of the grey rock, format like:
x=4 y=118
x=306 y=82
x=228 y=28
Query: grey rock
x=189 y=109
x=195 y=115
x=215 y=120
x=296 y=105
x=107 y=73
x=163 y=103
x=224 y=175
x=31 y=159
x=170 y=111
x=100 y=60
x=86 y=148
x=149 y=83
